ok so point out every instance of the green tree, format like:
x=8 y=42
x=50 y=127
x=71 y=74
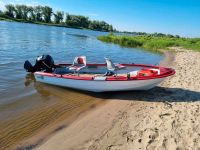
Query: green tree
x=77 y=21
x=38 y=13
x=67 y=18
x=58 y=17
x=10 y=9
x=22 y=11
x=84 y=21
x=110 y=28
x=18 y=11
x=43 y=14
x=47 y=12
x=25 y=11
x=95 y=25
x=100 y=26
x=70 y=20
x=32 y=15
x=1 y=13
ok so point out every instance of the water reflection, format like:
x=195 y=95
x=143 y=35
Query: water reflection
x=46 y=90
x=29 y=78
x=78 y=35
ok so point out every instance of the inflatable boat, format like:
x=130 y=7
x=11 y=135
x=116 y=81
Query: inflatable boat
x=99 y=77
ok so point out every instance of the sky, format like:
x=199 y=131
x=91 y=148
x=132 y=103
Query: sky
x=180 y=17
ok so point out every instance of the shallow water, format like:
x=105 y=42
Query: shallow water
x=50 y=107
x=20 y=95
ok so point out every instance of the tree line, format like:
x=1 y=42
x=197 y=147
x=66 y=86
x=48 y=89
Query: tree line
x=45 y=14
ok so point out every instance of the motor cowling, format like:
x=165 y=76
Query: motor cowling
x=43 y=63
x=28 y=66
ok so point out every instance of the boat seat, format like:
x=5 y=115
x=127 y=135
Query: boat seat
x=113 y=67
x=78 y=64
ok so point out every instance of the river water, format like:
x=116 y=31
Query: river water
x=26 y=106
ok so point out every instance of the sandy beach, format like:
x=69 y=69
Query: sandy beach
x=166 y=117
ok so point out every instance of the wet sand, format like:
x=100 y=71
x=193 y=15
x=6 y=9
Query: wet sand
x=166 y=117
x=26 y=121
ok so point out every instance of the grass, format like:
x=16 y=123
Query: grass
x=152 y=43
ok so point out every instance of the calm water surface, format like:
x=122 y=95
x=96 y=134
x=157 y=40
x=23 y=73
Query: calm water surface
x=26 y=106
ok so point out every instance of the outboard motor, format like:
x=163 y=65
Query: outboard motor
x=28 y=66
x=43 y=63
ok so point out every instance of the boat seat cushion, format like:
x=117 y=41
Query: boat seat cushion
x=76 y=68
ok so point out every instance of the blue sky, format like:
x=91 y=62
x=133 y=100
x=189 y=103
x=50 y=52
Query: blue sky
x=167 y=16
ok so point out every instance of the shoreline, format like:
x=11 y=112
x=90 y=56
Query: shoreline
x=44 y=134
x=152 y=42
x=47 y=24
x=38 y=116
x=169 y=57
x=130 y=120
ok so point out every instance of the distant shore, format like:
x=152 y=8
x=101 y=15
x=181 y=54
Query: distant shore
x=153 y=42
x=166 y=117
x=45 y=15
x=42 y=23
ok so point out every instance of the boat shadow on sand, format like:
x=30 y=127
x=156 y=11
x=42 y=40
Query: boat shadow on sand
x=157 y=94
